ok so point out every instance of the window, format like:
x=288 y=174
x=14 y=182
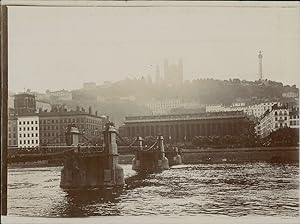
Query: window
x=276 y=125
x=28 y=135
x=32 y=128
x=20 y=122
x=23 y=122
x=36 y=128
x=37 y=141
x=20 y=142
x=31 y=122
x=291 y=122
x=36 y=134
x=32 y=135
x=32 y=141
x=15 y=135
x=24 y=135
x=27 y=122
x=20 y=129
x=275 y=112
x=36 y=122
x=285 y=118
x=9 y=135
x=28 y=141
x=275 y=118
x=24 y=129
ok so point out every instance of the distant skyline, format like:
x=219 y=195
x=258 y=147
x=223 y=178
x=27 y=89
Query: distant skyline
x=61 y=48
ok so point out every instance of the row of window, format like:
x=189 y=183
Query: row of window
x=69 y=120
x=55 y=127
x=280 y=125
x=28 y=135
x=12 y=135
x=28 y=122
x=28 y=128
x=294 y=122
x=12 y=129
x=280 y=113
x=276 y=118
x=28 y=142
x=12 y=142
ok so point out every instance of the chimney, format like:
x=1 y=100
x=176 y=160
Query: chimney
x=90 y=110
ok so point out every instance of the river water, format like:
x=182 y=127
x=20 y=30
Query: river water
x=215 y=189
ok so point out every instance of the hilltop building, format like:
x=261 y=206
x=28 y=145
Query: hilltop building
x=173 y=73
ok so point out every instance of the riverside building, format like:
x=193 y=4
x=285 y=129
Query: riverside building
x=184 y=127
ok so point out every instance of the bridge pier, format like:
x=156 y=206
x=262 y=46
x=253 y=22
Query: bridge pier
x=97 y=170
x=152 y=159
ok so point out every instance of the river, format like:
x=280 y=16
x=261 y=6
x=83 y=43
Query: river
x=215 y=189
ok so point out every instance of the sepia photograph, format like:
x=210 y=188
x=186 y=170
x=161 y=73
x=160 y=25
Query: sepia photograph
x=149 y=111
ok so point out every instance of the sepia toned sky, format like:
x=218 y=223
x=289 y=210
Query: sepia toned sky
x=55 y=48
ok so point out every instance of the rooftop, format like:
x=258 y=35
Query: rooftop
x=194 y=116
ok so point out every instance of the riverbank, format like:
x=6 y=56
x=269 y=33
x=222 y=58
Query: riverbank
x=240 y=155
x=209 y=155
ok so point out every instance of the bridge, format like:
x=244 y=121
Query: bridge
x=90 y=167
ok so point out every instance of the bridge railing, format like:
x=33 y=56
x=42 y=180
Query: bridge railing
x=13 y=151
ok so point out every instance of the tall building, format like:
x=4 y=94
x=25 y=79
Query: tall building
x=24 y=103
x=53 y=126
x=184 y=127
x=12 y=131
x=28 y=130
x=173 y=73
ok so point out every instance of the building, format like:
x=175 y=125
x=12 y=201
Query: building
x=272 y=120
x=294 y=117
x=256 y=110
x=290 y=94
x=12 y=131
x=163 y=106
x=53 y=126
x=28 y=130
x=24 y=103
x=173 y=73
x=89 y=85
x=60 y=95
x=184 y=127
x=42 y=106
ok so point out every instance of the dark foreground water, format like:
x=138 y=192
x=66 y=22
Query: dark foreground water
x=219 y=189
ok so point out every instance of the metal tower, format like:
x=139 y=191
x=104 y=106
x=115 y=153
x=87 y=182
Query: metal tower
x=260 y=65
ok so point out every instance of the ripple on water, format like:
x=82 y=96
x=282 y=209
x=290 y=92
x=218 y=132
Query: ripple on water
x=214 y=189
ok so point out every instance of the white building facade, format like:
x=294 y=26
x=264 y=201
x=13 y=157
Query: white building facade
x=277 y=118
x=28 y=131
x=256 y=110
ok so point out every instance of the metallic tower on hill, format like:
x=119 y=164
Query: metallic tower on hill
x=260 y=56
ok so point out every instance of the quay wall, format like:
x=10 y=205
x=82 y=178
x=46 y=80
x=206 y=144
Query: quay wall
x=236 y=155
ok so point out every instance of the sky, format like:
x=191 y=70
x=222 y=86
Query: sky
x=60 y=48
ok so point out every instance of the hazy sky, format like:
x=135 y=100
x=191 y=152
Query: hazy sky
x=55 y=48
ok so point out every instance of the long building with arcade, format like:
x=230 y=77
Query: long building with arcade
x=184 y=127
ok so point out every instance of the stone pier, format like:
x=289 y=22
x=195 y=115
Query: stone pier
x=150 y=160
x=92 y=170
